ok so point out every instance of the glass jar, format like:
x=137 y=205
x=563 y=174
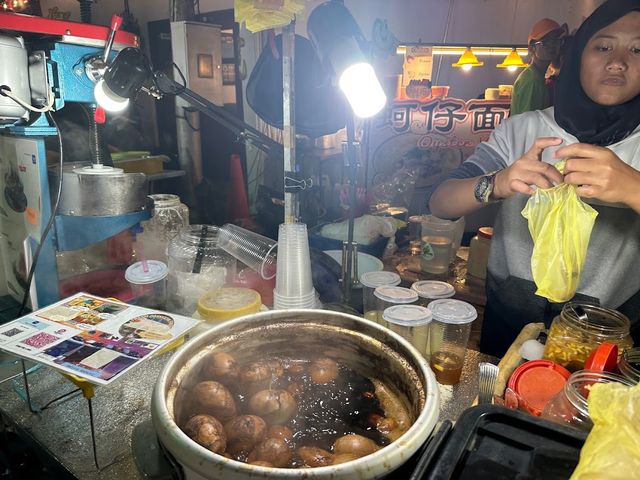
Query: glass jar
x=569 y=406
x=571 y=339
x=168 y=218
x=479 y=253
x=370 y=281
x=629 y=365
x=429 y=290
x=226 y=303
x=410 y=322
x=389 y=296
x=196 y=265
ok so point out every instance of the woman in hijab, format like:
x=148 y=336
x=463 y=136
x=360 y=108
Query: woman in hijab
x=595 y=127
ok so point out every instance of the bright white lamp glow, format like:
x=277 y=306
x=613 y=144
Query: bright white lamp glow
x=107 y=99
x=467 y=68
x=363 y=90
x=512 y=68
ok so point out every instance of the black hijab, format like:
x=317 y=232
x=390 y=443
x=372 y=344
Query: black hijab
x=575 y=112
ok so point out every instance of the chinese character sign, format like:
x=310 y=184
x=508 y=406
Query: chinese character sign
x=431 y=137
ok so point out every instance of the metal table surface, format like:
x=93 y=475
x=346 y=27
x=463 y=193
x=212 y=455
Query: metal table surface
x=63 y=428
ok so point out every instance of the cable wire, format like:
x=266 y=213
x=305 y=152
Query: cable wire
x=6 y=92
x=47 y=228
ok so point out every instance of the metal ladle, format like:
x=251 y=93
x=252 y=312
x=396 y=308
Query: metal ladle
x=581 y=313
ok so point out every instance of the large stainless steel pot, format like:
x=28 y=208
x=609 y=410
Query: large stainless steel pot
x=365 y=346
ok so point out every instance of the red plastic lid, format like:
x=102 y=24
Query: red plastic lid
x=535 y=382
x=603 y=359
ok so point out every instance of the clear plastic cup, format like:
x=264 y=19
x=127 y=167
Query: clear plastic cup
x=411 y=322
x=429 y=290
x=293 y=273
x=390 y=296
x=437 y=245
x=370 y=281
x=448 y=338
x=283 y=302
x=254 y=250
x=148 y=281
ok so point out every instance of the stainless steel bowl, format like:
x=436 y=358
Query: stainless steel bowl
x=366 y=347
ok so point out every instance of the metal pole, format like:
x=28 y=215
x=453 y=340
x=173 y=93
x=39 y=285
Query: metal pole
x=353 y=175
x=291 y=204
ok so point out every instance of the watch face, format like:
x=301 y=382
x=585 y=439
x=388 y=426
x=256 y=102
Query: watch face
x=483 y=189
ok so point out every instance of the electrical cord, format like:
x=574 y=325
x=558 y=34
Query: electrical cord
x=47 y=228
x=5 y=91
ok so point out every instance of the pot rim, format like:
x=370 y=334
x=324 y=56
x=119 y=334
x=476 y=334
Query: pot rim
x=374 y=465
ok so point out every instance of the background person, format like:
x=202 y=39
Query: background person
x=530 y=91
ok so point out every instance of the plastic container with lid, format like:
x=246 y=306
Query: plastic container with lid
x=448 y=338
x=535 y=382
x=569 y=406
x=389 y=296
x=411 y=322
x=479 y=253
x=629 y=365
x=581 y=328
x=429 y=290
x=148 y=283
x=196 y=265
x=370 y=281
x=226 y=303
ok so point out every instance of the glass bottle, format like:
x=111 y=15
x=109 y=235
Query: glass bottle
x=196 y=265
x=479 y=253
x=572 y=338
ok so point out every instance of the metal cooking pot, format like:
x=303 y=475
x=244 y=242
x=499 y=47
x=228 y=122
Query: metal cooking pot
x=366 y=347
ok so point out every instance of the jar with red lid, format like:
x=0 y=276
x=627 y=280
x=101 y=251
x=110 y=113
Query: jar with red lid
x=569 y=406
x=581 y=328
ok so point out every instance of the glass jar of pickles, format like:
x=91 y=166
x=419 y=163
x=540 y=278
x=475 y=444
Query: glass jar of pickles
x=581 y=328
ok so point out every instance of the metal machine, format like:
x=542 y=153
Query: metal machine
x=45 y=65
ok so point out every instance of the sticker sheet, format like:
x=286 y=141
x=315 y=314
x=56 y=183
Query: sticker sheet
x=92 y=337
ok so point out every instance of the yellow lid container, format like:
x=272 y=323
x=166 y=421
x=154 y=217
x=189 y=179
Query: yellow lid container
x=228 y=302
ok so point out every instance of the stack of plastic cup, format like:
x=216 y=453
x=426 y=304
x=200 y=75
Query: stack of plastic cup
x=294 y=284
x=254 y=250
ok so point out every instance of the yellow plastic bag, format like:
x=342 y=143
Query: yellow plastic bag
x=612 y=449
x=560 y=224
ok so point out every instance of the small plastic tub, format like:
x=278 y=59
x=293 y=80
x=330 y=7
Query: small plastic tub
x=429 y=290
x=148 y=281
x=226 y=303
x=370 y=281
x=390 y=296
x=536 y=382
x=411 y=322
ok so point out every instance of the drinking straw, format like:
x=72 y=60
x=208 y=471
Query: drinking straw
x=197 y=264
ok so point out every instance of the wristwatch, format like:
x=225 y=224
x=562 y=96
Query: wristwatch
x=484 y=187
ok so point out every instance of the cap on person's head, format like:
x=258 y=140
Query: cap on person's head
x=541 y=28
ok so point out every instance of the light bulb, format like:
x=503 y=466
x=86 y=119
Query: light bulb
x=467 y=68
x=512 y=68
x=107 y=99
x=363 y=90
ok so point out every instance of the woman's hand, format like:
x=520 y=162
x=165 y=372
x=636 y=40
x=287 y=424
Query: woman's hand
x=528 y=170
x=600 y=174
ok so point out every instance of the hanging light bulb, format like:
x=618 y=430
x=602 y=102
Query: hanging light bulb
x=467 y=61
x=512 y=62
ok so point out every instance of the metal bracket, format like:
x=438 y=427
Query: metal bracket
x=293 y=182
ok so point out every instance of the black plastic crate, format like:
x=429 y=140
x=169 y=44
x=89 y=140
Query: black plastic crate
x=493 y=442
